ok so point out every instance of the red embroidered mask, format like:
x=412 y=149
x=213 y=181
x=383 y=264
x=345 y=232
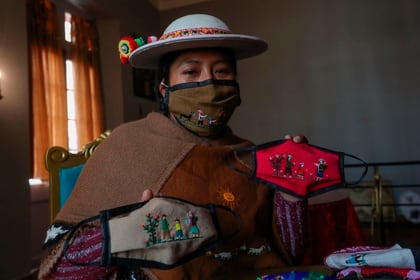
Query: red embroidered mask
x=302 y=170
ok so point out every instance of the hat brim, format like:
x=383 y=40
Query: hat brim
x=244 y=46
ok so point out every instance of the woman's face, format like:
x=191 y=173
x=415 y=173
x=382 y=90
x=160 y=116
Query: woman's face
x=200 y=65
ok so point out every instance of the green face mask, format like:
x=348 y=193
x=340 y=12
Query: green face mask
x=203 y=107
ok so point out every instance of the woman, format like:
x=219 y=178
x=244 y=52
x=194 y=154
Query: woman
x=187 y=153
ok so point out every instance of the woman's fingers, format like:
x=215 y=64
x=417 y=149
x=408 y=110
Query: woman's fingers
x=146 y=195
x=296 y=138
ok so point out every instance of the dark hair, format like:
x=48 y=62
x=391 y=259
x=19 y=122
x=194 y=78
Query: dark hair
x=165 y=64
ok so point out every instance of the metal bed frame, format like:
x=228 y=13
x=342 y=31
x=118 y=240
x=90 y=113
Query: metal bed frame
x=377 y=225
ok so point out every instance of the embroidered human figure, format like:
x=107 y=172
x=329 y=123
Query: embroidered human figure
x=275 y=163
x=178 y=230
x=194 y=231
x=321 y=166
x=164 y=227
x=300 y=172
x=358 y=259
x=201 y=116
x=288 y=166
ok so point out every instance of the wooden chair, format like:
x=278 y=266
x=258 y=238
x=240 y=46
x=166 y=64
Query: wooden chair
x=64 y=169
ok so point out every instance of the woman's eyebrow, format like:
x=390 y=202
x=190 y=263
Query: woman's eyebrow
x=189 y=61
x=193 y=61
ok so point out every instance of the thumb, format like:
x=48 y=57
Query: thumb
x=146 y=195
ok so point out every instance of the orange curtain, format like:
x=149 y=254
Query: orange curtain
x=48 y=96
x=84 y=53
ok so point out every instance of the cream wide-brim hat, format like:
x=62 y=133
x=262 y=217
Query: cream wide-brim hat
x=196 y=31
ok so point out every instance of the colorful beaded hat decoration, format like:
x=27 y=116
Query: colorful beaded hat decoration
x=188 y=32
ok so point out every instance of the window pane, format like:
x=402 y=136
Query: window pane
x=67 y=27
x=69 y=75
x=72 y=136
x=71 y=107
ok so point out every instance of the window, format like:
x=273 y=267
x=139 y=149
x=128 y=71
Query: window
x=82 y=80
x=70 y=90
x=65 y=80
x=71 y=108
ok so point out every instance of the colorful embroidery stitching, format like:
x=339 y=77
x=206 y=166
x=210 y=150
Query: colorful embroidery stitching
x=227 y=198
x=160 y=230
x=194 y=31
x=201 y=119
x=252 y=251
x=357 y=259
x=296 y=170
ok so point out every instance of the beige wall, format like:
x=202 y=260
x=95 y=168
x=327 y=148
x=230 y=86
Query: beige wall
x=344 y=73
x=123 y=18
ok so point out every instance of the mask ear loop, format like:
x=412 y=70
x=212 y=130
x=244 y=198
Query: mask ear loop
x=69 y=240
x=363 y=173
x=164 y=102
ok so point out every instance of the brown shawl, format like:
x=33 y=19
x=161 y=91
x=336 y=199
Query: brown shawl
x=136 y=156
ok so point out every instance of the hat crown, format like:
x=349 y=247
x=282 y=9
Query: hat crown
x=196 y=21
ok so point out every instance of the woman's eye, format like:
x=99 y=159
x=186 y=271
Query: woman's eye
x=223 y=72
x=189 y=72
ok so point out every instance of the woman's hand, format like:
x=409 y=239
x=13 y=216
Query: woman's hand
x=296 y=138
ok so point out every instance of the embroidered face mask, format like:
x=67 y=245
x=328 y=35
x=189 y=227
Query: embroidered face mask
x=203 y=107
x=301 y=170
x=160 y=233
